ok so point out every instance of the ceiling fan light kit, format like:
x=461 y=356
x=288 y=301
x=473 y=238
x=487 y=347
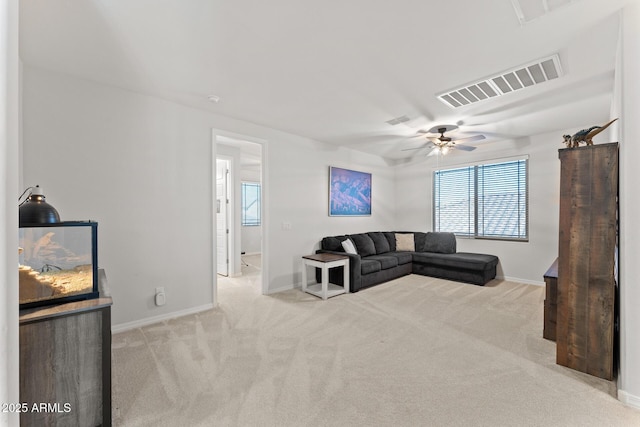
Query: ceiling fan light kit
x=442 y=128
x=443 y=144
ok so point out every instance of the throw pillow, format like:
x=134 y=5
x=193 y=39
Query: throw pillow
x=404 y=242
x=333 y=243
x=380 y=242
x=391 y=239
x=349 y=247
x=364 y=244
x=440 y=242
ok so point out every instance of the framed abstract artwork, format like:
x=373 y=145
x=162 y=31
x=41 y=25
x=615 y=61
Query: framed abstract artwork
x=349 y=192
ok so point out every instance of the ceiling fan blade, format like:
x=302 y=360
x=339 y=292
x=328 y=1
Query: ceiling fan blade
x=464 y=147
x=414 y=148
x=471 y=138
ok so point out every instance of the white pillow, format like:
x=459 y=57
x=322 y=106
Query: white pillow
x=404 y=242
x=349 y=247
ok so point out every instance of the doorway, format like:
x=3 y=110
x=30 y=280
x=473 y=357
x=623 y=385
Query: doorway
x=240 y=248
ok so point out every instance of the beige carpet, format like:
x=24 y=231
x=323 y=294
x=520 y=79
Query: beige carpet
x=251 y=263
x=416 y=351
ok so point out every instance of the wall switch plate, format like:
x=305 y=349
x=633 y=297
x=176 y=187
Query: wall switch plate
x=286 y=225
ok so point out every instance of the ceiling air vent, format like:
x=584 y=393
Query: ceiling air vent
x=518 y=78
x=398 y=120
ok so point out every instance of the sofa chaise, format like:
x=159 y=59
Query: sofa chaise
x=378 y=257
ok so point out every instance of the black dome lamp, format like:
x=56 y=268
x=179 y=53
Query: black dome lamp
x=35 y=210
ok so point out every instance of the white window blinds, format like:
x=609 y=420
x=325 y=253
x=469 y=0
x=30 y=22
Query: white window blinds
x=486 y=200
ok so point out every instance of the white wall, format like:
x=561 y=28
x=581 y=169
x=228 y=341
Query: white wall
x=521 y=261
x=138 y=166
x=297 y=193
x=142 y=167
x=9 y=137
x=251 y=239
x=627 y=101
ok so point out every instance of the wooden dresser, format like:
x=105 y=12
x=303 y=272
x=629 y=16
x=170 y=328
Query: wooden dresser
x=586 y=259
x=65 y=364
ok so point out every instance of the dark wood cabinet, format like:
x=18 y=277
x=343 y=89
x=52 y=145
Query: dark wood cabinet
x=65 y=364
x=586 y=259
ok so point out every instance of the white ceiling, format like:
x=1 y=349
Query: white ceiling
x=336 y=71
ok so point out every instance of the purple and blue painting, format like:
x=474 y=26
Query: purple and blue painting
x=349 y=192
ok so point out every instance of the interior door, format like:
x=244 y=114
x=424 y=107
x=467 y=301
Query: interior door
x=222 y=208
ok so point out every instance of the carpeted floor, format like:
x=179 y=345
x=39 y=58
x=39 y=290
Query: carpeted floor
x=416 y=351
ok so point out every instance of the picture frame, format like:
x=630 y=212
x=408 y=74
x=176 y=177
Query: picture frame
x=349 y=192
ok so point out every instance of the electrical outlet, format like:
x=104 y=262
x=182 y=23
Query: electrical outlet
x=286 y=225
x=160 y=298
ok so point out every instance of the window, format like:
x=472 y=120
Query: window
x=484 y=201
x=250 y=204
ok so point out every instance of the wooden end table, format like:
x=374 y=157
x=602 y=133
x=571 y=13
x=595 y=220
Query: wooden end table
x=325 y=289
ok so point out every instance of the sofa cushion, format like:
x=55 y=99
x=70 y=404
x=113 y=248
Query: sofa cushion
x=385 y=261
x=462 y=260
x=333 y=243
x=364 y=244
x=349 y=247
x=369 y=266
x=403 y=257
x=419 y=240
x=391 y=239
x=380 y=242
x=405 y=242
x=440 y=242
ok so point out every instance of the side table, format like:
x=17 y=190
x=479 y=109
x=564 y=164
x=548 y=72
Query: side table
x=325 y=289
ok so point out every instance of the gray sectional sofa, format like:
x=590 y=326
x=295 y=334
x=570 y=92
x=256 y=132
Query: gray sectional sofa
x=383 y=256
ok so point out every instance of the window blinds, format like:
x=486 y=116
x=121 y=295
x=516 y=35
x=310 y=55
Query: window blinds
x=487 y=200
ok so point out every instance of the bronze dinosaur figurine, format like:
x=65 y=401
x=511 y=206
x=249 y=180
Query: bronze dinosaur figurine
x=585 y=135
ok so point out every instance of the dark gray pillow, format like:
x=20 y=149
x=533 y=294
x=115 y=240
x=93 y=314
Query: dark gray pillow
x=419 y=238
x=440 y=242
x=364 y=244
x=380 y=242
x=333 y=243
x=391 y=239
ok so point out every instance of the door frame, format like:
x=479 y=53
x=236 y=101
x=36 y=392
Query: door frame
x=216 y=135
x=229 y=214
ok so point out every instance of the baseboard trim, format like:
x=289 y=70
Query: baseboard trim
x=510 y=279
x=629 y=399
x=516 y=279
x=283 y=288
x=122 y=327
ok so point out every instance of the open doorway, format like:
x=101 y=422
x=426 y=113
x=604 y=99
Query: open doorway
x=240 y=161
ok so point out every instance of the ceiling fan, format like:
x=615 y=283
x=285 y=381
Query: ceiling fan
x=443 y=144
